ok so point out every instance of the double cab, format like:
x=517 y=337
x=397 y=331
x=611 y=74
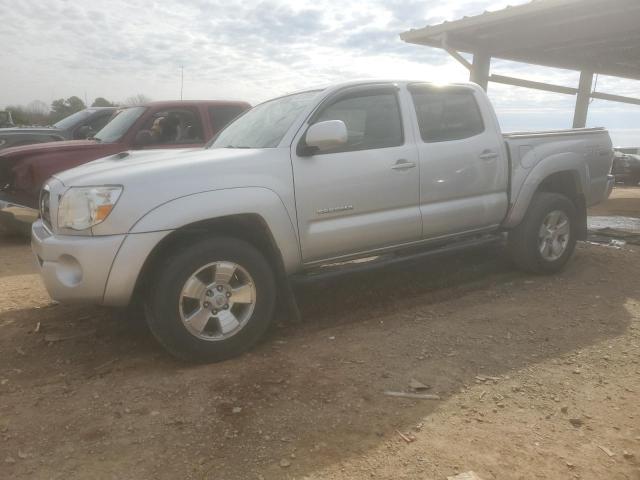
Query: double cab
x=208 y=240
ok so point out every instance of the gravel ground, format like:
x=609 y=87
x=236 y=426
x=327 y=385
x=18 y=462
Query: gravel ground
x=537 y=377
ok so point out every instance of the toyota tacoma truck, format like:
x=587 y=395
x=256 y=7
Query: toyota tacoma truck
x=156 y=125
x=209 y=239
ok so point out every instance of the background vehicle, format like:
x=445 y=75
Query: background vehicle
x=209 y=238
x=79 y=125
x=626 y=168
x=5 y=119
x=171 y=124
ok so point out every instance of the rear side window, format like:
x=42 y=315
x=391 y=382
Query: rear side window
x=222 y=115
x=446 y=114
x=372 y=119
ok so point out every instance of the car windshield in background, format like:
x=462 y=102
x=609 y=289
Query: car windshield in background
x=119 y=125
x=73 y=119
x=265 y=125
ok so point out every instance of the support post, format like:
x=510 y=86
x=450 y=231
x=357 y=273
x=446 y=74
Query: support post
x=582 y=101
x=480 y=69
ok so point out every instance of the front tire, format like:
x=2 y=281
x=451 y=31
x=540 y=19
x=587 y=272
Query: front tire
x=546 y=238
x=211 y=300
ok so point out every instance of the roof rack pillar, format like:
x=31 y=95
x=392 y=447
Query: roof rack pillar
x=480 y=69
x=582 y=101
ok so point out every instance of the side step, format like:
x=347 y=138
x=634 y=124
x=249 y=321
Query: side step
x=329 y=271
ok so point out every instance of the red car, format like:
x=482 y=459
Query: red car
x=170 y=124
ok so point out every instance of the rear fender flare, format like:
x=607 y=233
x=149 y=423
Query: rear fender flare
x=562 y=162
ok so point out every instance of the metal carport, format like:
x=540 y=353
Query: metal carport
x=591 y=36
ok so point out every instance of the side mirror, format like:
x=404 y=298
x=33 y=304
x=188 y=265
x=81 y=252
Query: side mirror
x=143 y=138
x=326 y=135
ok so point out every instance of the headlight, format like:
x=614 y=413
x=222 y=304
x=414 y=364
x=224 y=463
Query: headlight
x=84 y=207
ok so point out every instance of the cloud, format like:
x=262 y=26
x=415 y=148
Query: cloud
x=248 y=50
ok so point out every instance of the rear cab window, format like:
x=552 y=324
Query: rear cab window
x=446 y=113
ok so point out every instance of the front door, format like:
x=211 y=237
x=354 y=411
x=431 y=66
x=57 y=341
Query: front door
x=364 y=195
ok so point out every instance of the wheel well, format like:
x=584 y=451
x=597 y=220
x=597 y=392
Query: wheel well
x=568 y=183
x=251 y=228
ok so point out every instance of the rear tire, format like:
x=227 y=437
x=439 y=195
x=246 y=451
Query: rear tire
x=211 y=300
x=546 y=238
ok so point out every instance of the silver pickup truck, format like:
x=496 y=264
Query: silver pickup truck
x=208 y=239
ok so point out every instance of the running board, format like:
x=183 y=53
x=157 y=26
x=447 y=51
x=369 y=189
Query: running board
x=329 y=271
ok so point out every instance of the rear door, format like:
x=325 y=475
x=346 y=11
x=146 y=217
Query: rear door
x=463 y=169
x=363 y=195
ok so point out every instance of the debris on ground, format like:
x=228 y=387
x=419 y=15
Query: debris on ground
x=416 y=396
x=58 y=337
x=407 y=438
x=576 y=422
x=416 y=386
x=606 y=450
x=470 y=475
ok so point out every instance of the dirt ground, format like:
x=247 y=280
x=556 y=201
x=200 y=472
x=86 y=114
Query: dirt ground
x=538 y=378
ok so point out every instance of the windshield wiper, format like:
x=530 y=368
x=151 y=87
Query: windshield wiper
x=236 y=146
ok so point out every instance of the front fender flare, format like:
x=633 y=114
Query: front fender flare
x=182 y=211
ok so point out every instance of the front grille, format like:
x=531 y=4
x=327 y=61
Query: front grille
x=45 y=211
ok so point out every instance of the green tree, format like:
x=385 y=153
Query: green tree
x=62 y=108
x=102 y=102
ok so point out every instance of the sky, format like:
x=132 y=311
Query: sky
x=254 y=50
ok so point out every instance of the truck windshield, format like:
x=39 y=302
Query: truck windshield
x=119 y=125
x=73 y=119
x=264 y=125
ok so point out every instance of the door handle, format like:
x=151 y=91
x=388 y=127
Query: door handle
x=403 y=164
x=488 y=155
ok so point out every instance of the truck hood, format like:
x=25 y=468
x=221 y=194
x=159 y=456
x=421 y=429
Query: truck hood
x=27 y=131
x=152 y=164
x=130 y=163
x=62 y=146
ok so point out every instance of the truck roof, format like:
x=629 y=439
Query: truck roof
x=192 y=103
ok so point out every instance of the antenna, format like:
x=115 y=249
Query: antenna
x=181 y=80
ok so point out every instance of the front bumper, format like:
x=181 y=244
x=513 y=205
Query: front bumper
x=74 y=268
x=103 y=270
x=16 y=217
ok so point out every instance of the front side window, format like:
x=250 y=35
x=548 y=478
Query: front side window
x=446 y=114
x=372 y=119
x=178 y=126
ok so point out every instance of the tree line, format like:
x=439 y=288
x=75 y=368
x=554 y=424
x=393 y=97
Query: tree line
x=39 y=113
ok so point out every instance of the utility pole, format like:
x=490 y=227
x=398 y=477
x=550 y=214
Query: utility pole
x=181 y=80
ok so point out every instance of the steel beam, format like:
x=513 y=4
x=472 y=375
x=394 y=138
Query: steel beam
x=582 y=101
x=480 y=69
x=615 y=98
x=519 y=82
